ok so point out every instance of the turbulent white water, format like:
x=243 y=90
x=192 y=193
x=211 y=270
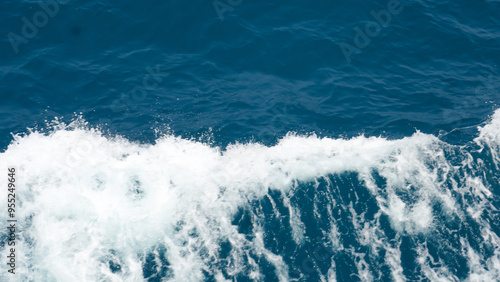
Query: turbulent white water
x=93 y=207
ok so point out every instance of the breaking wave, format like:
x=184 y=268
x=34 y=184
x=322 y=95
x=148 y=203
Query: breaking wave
x=101 y=208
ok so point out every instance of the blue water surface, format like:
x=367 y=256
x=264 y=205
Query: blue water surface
x=264 y=70
x=252 y=71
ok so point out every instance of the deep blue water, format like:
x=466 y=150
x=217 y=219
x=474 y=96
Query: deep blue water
x=394 y=205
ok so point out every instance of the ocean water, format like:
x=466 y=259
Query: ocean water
x=236 y=140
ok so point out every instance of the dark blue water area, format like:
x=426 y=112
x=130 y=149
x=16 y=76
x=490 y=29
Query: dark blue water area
x=260 y=71
x=253 y=71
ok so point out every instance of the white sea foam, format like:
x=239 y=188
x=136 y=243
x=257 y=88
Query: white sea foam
x=87 y=199
x=489 y=135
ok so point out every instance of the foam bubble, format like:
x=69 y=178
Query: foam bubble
x=95 y=207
